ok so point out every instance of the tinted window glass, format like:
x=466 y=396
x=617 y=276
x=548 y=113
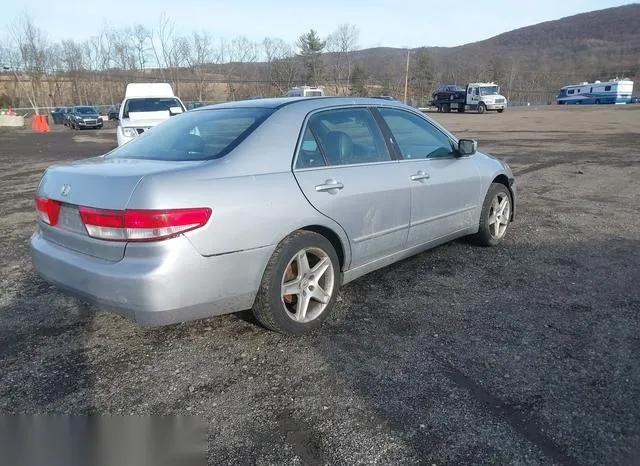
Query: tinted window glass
x=196 y=135
x=349 y=136
x=607 y=88
x=309 y=154
x=416 y=138
x=86 y=110
x=150 y=104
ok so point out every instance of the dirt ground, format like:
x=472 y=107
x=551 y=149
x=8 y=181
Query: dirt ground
x=522 y=354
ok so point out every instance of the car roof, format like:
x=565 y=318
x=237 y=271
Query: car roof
x=312 y=103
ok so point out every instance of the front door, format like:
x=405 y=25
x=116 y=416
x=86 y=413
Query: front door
x=445 y=188
x=345 y=170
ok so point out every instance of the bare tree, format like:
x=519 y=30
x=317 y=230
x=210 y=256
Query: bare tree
x=33 y=47
x=282 y=66
x=169 y=50
x=341 y=44
x=141 y=38
x=236 y=54
x=9 y=61
x=200 y=55
x=72 y=59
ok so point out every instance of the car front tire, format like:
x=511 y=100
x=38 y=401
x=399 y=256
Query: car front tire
x=299 y=285
x=495 y=216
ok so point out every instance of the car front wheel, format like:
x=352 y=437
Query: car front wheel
x=495 y=216
x=300 y=284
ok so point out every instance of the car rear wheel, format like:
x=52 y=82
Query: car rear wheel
x=299 y=285
x=446 y=108
x=500 y=110
x=495 y=216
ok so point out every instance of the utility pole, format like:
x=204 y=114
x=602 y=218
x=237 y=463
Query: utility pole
x=406 y=77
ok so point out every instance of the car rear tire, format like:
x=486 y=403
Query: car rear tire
x=446 y=108
x=500 y=110
x=482 y=107
x=495 y=216
x=299 y=285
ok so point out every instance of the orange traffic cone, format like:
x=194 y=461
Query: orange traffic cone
x=39 y=123
x=35 y=123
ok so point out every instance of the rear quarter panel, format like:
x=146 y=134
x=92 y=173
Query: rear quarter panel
x=249 y=211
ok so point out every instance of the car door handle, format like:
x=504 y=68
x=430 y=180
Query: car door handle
x=419 y=176
x=331 y=186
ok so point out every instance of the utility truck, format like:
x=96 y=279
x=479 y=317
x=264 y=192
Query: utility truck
x=479 y=97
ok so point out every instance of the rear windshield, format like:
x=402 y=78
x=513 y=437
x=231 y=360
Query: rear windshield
x=194 y=135
x=150 y=104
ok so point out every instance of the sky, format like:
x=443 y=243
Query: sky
x=391 y=23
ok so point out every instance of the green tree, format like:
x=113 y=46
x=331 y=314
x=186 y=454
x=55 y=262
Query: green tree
x=358 y=81
x=311 y=47
x=422 y=73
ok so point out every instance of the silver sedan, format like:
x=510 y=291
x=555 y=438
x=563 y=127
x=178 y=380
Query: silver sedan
x=269 y=205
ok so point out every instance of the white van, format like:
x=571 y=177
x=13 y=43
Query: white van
x=144 y=106
x=305 y=91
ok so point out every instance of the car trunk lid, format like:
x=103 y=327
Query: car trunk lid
x=100 y=183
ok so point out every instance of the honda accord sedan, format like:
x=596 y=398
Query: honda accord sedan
x=268 y=204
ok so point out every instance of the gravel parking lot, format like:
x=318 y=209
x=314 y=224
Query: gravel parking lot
x=523 y=354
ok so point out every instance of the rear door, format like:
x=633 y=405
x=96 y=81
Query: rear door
x=345 y=169
x=445 y=188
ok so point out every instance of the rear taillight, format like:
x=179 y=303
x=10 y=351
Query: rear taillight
x=142 y=225
x=48 y=210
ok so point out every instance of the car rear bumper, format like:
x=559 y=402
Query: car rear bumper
x=156 y=283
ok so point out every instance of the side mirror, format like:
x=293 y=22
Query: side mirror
x=175 y=110
x=467 y=147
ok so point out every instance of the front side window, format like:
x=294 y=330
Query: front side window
x=195 y=135
x=348 y=136
x=416 y=138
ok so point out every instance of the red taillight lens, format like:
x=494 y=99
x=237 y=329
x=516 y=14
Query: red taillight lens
x=142 y=225
x=48 y=210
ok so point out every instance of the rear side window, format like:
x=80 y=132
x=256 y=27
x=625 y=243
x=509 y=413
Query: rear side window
x=195 y=135
x=347 y=136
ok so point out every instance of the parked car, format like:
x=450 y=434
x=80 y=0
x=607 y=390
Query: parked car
x=113 y=112
x=84 y=117
x=270 y=204
x=58 y=115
